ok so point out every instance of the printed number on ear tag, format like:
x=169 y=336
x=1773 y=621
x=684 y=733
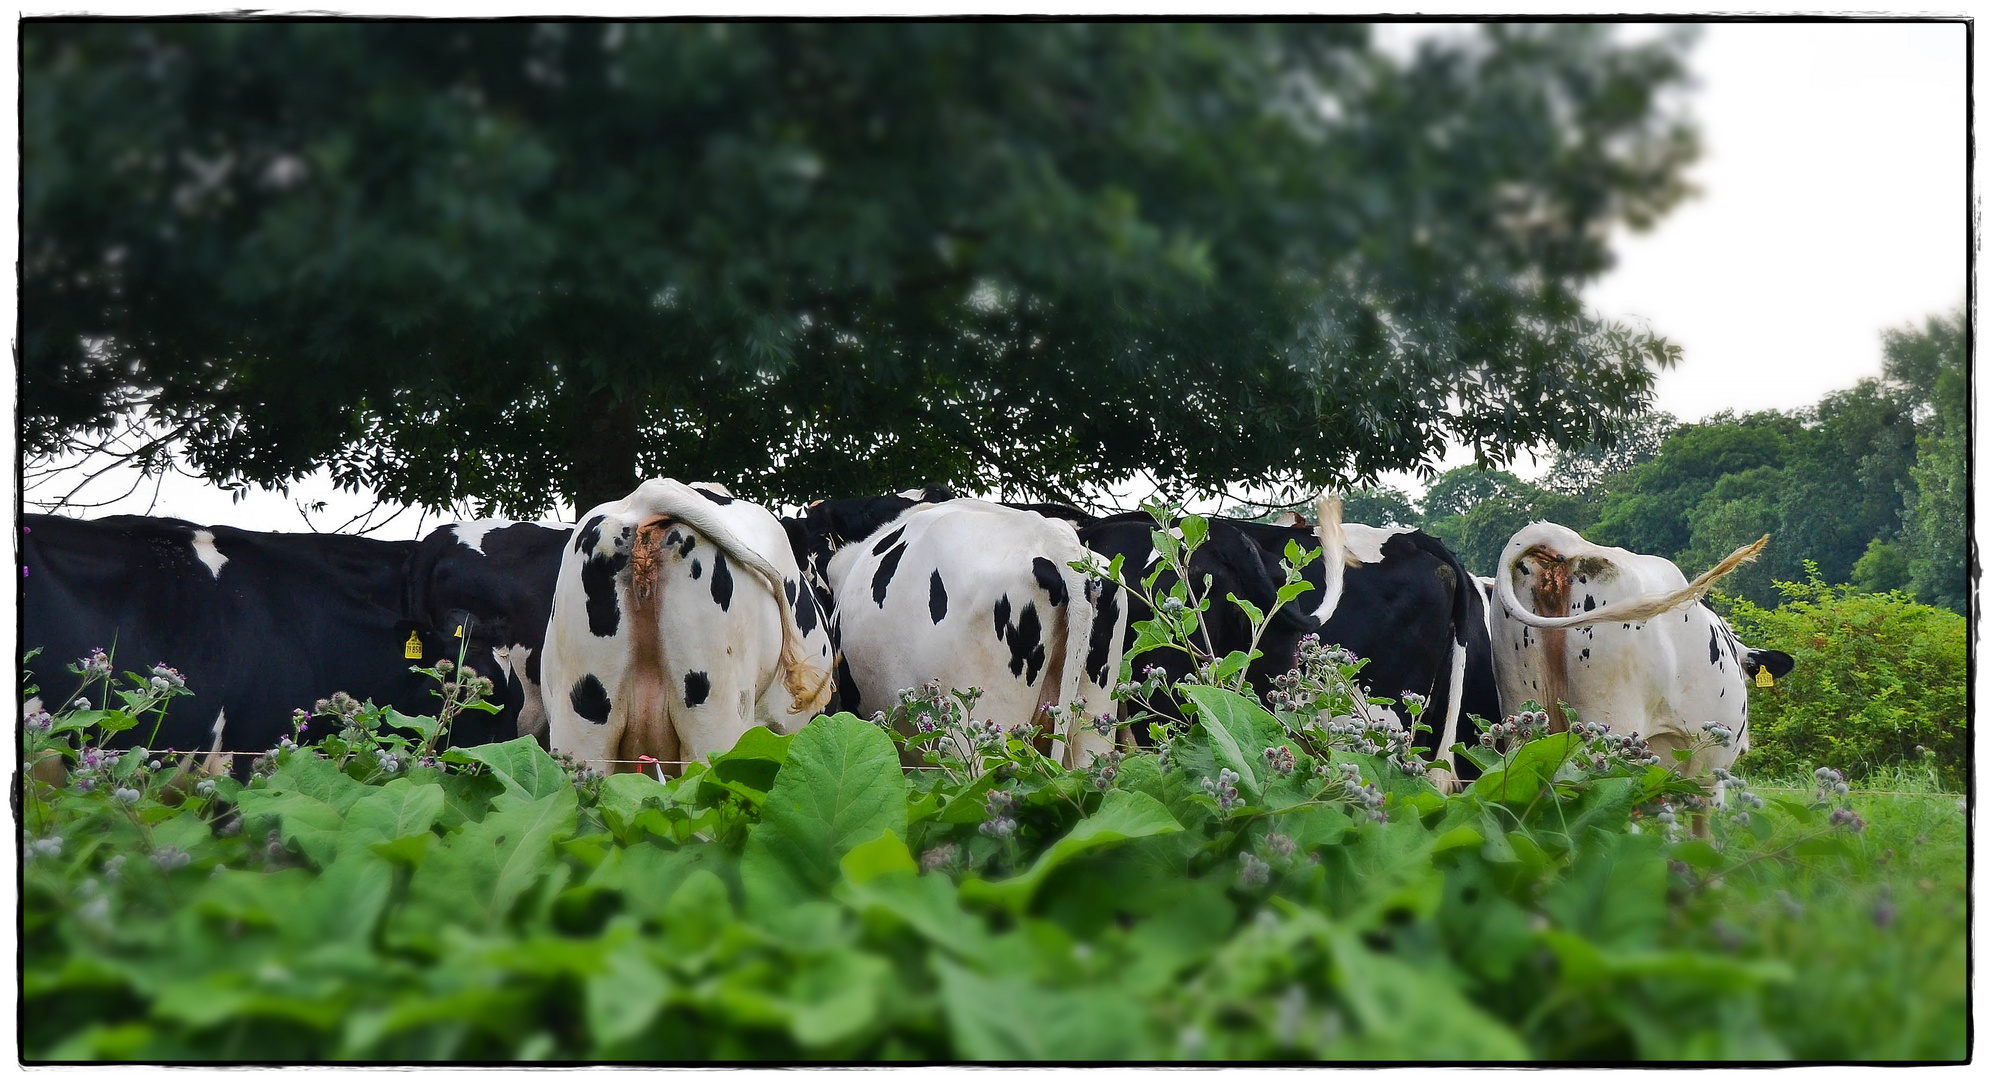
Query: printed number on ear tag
x=413 y=648
x=1763 y=678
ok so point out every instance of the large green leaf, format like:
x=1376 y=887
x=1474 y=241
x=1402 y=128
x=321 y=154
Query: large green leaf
x=311 y=824
x=1614 y=894
x=1232 y=721
x=623 y=797
x=1122 y=815
x=476 y=876
x=1407 y=1010
x=1012 y=1019
x=521 y=765
x=625 y=994
x=1529 y=770
x=840 y=786
x=396 y=809
x=837 y=997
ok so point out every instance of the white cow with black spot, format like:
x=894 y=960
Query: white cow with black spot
x=976 y=594
x=678 y=624
x=1625 y=640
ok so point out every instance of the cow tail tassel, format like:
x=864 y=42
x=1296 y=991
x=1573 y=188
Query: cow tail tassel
x=1334 y=556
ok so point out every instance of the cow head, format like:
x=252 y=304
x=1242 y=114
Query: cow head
x=1778 y=663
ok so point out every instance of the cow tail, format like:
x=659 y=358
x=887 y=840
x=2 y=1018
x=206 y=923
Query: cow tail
x=1080 y=612
x=1638 y=610
x=1334 y=557
x=1461 y=617
x=808 y=686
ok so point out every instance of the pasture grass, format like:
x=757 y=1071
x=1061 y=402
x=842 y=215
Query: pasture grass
x=1876 y=936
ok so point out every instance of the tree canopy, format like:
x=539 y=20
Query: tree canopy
x=495 y=263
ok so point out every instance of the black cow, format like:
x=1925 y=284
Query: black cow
x=1405 y=607
x=1236 y=564
x=496 y=577
x=259 y=624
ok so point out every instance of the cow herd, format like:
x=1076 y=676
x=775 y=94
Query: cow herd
x=667 y=623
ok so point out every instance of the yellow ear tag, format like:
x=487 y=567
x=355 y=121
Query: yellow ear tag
x=1763 y=678
x=413 y=649
x=459 y=629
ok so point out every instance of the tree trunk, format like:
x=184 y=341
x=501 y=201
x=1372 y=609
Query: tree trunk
x=602 y=461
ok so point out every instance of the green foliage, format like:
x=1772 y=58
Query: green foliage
x=501 y=261
x=1649 y=509
x=1273 y=883
x=1879 y=680
x=1586 y=470
x=1827 y=482
x=1380 y=506
x=1476 y=511
x=1883 y=568
x=1935 y=532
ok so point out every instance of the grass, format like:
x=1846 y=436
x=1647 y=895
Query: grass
x=1875 y=933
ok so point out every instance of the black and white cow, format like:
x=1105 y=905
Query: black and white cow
x=680 y=620
x=497 y=577
x=259 y=624
x=976 y=594
x=1624 y=639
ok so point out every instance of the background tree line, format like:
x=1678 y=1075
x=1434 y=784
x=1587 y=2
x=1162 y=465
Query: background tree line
x=1870 y=484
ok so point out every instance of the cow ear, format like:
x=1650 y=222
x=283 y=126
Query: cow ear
x=1778 y=663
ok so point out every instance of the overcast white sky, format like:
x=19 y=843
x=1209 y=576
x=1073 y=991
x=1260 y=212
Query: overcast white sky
x=1832 y=205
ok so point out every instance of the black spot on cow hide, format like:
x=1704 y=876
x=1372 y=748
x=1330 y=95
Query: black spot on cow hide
x=789 y=585
x=589 y=534
x=805 y=613
x=881 y=580
x=1049 y=580
x=590 y=699
x=697 y=687
x=846 y=687
x=1002 y=617
x=697 y=569
x=690 y=541
x=1099 y=649
x=1026 y=642
x=1713 y=646
x=714 y=496
x=889 y=539
x=721 y=582
x=597 y=579
x=936 y=599
x=1589 y=603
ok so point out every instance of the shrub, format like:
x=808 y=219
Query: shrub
x=1878 y=677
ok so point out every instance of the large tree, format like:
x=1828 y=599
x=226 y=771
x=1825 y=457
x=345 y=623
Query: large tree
x=501 y=262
